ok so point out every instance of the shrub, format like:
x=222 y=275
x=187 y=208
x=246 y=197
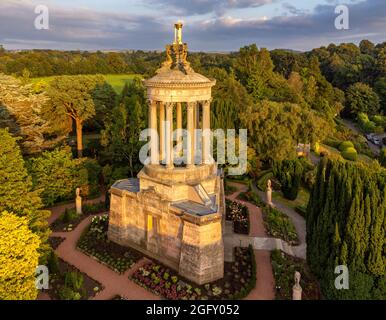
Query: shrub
x=350 y=154
x=345 y=145
x=332 y=143
x=74 y=280
x=66 y=293
x=262 y=181
x=53 y=263
x=69 y=215
x=382 y=157
x=18 y=258
x=279 y=225
x=289 y=173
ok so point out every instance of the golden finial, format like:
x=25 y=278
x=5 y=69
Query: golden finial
x=178 y=32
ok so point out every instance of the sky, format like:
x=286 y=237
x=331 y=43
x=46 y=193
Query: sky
x=209 y=25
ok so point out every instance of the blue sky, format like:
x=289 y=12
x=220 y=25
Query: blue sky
x=210 y=25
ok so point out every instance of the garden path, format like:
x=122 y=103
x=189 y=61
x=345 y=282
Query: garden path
x=265 y=282
x=298 y=221
x=113 y=283
x=59 y=209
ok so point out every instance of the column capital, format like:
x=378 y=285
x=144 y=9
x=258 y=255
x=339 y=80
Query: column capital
x=206 y=102
x=169 y=105
x=191 y=105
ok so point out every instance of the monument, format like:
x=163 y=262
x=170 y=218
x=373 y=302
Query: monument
x=269 y=193
x=297 y=289
x=78 y=202
x=174 y=213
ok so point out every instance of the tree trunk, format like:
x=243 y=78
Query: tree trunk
x=79 y=138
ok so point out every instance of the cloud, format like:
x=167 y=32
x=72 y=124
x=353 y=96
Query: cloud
x=82 y=28
x=293 y=10
x=193 y=7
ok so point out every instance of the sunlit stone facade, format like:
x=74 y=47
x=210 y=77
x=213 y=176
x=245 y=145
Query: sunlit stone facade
x=174 y=213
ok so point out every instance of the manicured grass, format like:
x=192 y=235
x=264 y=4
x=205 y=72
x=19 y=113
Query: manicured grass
x=300 y=201
x=117 y=81
x=279 y=225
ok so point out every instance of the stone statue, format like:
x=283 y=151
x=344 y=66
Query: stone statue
x=297 y=289
x=269 y=193
x=78 y=201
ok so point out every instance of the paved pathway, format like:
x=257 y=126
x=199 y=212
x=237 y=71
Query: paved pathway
x=299 y=223
x=265 y=282
x=58 y=210
x=257 y=237
x=113 y=283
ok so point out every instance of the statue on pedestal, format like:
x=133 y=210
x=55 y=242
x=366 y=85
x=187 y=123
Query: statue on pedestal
x=78 y=201
x=297 y=289
x=269 y=193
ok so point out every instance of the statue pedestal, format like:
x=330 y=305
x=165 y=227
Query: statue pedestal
x=296 y=293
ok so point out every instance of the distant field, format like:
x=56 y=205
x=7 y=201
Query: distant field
x=117 y=81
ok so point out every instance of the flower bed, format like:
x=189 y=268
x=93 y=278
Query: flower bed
x=55 y=242
x=68 y=283
x=279 y=225
x=94 y=242
x=69 y=219
x=252 y=197
x=239 y=279
x=239 y=215
x=284 y=267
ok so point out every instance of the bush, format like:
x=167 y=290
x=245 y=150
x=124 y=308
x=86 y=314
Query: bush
x=289 y=173
x=382 y=157
x=53 y=263
x=262 y=181
x=69 y=215
x=66 y=293
x=279 y=225
x=332 y=143
x=345 y=145
x=350 y=154
x=74 y=280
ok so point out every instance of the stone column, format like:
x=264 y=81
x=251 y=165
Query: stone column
x=206 y=132
x=154 y=152
x=179 y=127
x=169 y=136
x=161 y=131
x=190 y=128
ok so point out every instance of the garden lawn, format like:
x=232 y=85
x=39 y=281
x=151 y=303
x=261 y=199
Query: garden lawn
x=117 y=81
x=300 y=201
x=279 y=225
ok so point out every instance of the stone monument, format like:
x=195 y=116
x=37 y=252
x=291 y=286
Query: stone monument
x=78 y=201
x=269 y=193
x=173 y=213
x=297 y=289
